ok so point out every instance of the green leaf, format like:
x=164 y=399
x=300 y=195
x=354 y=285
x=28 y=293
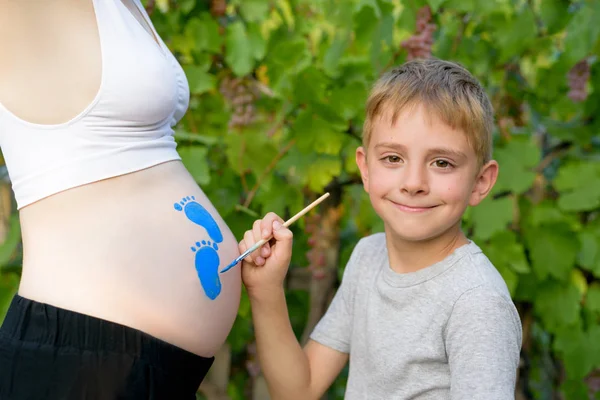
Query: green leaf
x=516 y=35
x=284 y=59
x=187 y=5
x=199 y=80
x=553 y=249
x=365 y=23
x=238 y=49
x=587 y=198
x=407 y=19
x=361 y=211
x=204 y=32
x=504 y=249
x=510 y=278
x=383 y=34
x=322 y=171
x=195 y=160
x=574 y=388
x=315 y=134
x=548 y=212
x=592 y=299
x=582 y=32
x=310 y=85
x=516 y=160
x=589 y=255
x=288 y=200
x=12 y=240
x=557 y=305
x=555 y=15
x=349 y=100
x=314 y=170
x=580 y=351
x=9 y=284
x=577 y=174
x=435 y=4
x=349 y=152
x=526 y=288
x=254 y=10
x=288 y=52
x=370 y=4
x=491 y=216
x=258 y=44
x=577 y=184
x=466 y=6
x=250 y=150
x=331 y=59
x=578 y=280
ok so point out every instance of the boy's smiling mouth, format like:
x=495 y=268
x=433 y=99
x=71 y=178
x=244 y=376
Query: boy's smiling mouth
x=411 y=208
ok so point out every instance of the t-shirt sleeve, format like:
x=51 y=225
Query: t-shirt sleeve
x=334 y=330
x=483 y=343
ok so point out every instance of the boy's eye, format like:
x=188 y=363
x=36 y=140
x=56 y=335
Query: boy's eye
x=392 y=159
x=442 y=164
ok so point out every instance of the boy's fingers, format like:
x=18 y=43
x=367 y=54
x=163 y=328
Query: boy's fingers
x=265 y=250
x=261 y=253
x=249 y=242
x=267 y=224
x=256 y=230
x=284 y=238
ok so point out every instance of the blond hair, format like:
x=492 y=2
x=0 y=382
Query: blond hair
x=444 y=88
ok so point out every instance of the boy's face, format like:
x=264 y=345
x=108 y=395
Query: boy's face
x=421 y=174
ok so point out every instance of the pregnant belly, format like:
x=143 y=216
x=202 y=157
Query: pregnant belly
x=146 y=250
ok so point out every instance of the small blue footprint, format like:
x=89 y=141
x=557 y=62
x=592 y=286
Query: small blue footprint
x=198 y=215
x=207 y=267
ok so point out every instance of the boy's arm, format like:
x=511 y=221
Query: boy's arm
x=483 y=343
x=290 y=371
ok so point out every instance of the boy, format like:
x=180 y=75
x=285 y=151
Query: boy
x=421 y=312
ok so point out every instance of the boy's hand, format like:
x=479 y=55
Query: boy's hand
x=266 y=267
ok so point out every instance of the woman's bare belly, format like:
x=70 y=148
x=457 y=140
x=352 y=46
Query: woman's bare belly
x=142 y=250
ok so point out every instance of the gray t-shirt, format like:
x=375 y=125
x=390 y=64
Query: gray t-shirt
x=448 y=331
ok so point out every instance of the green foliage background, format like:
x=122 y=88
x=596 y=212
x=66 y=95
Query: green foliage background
x=314 y=61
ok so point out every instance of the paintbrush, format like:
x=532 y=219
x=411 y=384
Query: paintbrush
x=285 y=224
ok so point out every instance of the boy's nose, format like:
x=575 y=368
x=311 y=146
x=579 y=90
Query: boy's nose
x=414 y=181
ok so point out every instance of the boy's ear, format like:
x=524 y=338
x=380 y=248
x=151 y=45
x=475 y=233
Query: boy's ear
x=361 y=161
x=485 y=181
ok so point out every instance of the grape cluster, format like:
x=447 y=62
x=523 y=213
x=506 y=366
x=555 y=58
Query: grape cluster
x=218 y=7
x=316 y=256
x=593 y=383
x=419 y=44
x=578 y=77
x=241 y=94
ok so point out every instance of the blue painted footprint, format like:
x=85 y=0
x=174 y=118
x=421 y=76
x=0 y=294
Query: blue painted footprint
x=207 y=267
x=198 y=215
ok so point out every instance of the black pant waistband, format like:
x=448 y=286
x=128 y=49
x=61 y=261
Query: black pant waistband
x=43 y=324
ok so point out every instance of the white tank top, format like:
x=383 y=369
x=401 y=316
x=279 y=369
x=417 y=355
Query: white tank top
x=127 y=127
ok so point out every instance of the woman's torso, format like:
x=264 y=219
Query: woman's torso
x=125 y=248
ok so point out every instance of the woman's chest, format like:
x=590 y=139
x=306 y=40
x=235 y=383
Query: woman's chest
x=61 y=60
